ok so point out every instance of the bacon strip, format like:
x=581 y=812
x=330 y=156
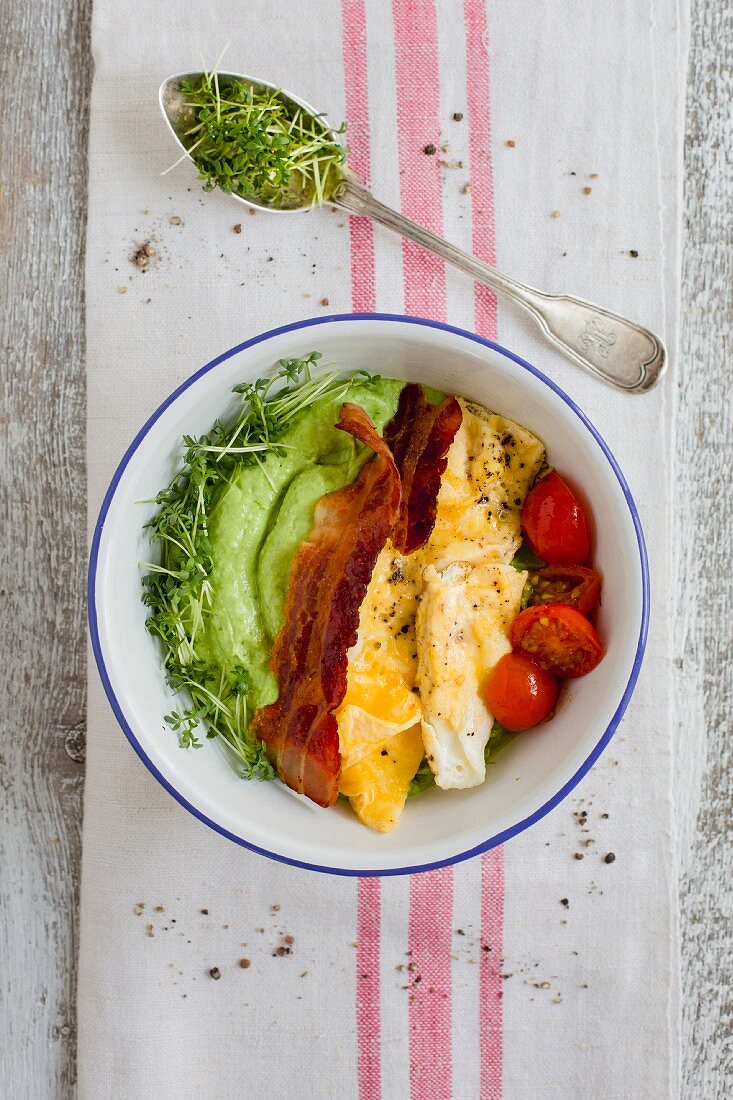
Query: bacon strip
x=328 y=581
x=419 y=436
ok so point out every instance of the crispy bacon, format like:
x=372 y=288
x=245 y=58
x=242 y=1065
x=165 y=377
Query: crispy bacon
x=419 y=436
x=328 y=580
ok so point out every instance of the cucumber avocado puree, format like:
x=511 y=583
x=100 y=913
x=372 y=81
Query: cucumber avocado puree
x=257 y=524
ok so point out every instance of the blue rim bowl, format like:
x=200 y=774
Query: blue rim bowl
x=491 y=841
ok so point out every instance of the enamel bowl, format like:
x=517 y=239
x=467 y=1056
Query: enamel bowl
x=539 y=768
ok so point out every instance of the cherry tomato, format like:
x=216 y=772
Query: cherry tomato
x=519 y=694
x=554 y=523
x=557 y=638
x=573 y=585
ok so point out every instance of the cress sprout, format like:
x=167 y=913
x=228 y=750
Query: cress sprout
x=251 y=141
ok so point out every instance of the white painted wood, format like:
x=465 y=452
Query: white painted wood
x=705 y=538
x=42 y=550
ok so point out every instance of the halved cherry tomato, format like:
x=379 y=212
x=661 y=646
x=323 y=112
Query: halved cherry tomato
x=519 y=694
x=573 y=585
x=554 y=523
x=557 y=638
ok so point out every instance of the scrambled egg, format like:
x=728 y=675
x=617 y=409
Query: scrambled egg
x=434 y=624
x=379 y=719
x=462 y=625
x=492 y=463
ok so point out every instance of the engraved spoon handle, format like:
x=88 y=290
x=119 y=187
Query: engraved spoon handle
x=611 y=347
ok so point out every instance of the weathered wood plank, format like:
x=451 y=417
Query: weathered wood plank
x=45 y=70
x=705 y=447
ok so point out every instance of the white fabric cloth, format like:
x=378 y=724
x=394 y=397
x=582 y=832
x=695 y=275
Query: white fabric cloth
x=590 y=96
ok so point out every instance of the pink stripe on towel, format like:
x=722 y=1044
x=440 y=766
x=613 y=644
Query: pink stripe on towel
x=361 y=230
x=492 y=927
x=479 y=146
x=363 y=300
x=431 y=894
x=429 y=981
x=418 y=127
x=484 y=246
x=368 y=988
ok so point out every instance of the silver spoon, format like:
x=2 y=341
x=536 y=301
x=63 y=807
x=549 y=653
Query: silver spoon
x=611 y=347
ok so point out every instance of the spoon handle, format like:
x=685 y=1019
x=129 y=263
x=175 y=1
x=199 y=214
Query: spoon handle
x=611 y=347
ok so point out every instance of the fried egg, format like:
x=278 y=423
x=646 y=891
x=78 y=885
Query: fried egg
x=434 y=624
x=462 y=631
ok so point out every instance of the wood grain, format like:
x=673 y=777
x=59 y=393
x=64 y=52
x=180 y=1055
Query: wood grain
x=705 y=451
x=42 y=552
x=42 y=557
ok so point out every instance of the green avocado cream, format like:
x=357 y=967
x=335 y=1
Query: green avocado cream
x=260 y=520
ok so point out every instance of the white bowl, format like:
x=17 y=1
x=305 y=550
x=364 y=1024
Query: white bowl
x=530 y=777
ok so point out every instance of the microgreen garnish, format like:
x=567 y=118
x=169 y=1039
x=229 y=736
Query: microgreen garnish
x=423 y=780
x=178 y=588
x=257 y=143
x=525 y=559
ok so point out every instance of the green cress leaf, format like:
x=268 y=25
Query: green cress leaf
x=423 y=780
x=499 y=739
x=258 y=144
x=525 y=558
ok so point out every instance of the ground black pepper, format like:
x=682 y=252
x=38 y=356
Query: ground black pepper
x=141 y=256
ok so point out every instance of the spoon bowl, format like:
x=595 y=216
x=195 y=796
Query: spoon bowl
x=172 y=102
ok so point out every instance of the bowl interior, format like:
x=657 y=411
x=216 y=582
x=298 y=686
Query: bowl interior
x=532 y=774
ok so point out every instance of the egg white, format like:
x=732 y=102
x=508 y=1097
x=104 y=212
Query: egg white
x=462 y=626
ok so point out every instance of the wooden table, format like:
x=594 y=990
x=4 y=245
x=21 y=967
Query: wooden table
x=43 y=656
